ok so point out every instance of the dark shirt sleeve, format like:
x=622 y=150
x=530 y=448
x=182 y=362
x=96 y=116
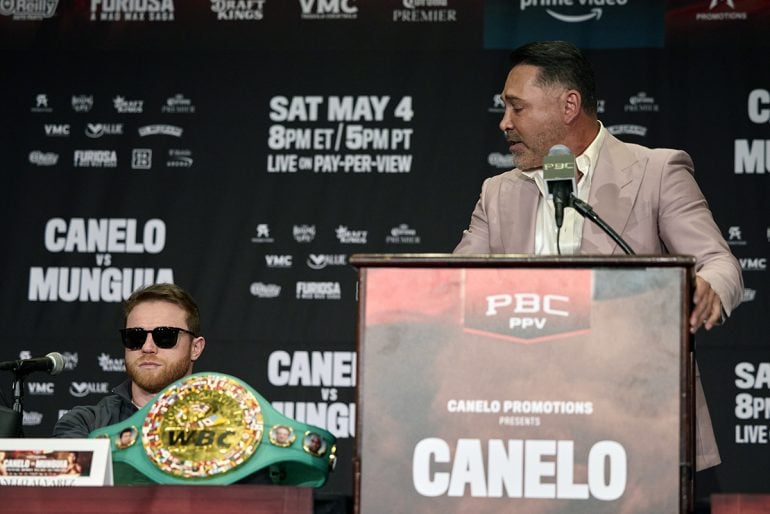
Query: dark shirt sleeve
x=82 y=420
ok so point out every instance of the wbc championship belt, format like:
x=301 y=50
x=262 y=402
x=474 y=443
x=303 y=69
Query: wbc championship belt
x=212 y=428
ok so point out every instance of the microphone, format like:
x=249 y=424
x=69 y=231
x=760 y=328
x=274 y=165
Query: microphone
x=559 y=177
x=53 y=364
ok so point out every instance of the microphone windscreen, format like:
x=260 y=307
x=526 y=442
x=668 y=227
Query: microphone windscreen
x=58 y=362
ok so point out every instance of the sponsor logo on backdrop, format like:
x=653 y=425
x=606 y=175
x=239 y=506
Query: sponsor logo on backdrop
x=28 y=10
x=97 y=130
x=749 y=294
x=82 y=389
x=41 y=388
x=179 y=158
x=338 y=131
x=39 y=158
x=329 y=371
x=248 y=10
x=498 y=105
x=500 y=160
x=318 y=291
x=429 y=11
x=103 y=238
x=588 y=23
x=132 y=10
x=32 y=418
x=402 y=235
x=627 y=129
x=109 y=363
x=70 y=360
x=261 y=290
x=320 y=261
x=734 y=236
x=160 y=130
x=720 y=10
x=328 y=9
x=41 y=103
x=124 y=106
x=305 y=233
x=600 y=105
x=753 y=156
x=640 y=102
x=178 y=104
x=753 y=263
x=263 y=234
x=56 y=129
x=350 y=237
x=141 y=159
x=279 y=261
x=95 y=159
x=82 y=103
x=25 y=354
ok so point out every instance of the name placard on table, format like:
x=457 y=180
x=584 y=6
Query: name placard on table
x=55 y=462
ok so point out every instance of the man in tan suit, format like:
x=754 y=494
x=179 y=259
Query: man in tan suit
x=648 y=196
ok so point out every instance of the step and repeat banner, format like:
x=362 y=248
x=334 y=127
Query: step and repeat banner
x=245 y=149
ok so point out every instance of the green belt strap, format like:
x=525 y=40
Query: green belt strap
x=212 y=428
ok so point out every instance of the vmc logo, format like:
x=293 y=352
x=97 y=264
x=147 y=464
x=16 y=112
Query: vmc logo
x=328 y=9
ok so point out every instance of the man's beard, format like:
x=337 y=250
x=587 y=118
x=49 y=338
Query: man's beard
x=157 y=380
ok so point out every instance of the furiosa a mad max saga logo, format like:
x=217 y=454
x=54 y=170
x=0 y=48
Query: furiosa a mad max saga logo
x=527 y=305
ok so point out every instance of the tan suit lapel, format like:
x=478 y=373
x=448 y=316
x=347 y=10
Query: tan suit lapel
x=614 y=188
x=518 y=214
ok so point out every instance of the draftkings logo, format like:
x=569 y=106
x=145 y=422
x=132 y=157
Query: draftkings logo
x=347 y=236
x=124 y=106
x=141 y=158
x=243 y=10
x=108 y=363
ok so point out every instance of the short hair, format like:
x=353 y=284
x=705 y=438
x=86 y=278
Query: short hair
x=166 y=293
x=562 y=63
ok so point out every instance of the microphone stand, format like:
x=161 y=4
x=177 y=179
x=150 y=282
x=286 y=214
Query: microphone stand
x=587 y=211
x=11 y=419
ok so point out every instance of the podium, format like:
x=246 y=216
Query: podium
x=495 y=383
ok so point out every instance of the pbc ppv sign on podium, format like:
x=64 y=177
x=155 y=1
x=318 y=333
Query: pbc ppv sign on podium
x=535 y=385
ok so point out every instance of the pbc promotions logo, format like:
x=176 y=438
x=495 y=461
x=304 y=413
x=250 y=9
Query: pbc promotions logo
x=527 y=306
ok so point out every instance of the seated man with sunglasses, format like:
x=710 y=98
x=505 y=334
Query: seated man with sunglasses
x=162 y=341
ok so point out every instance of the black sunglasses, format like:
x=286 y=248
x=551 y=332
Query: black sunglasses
x=163 y=337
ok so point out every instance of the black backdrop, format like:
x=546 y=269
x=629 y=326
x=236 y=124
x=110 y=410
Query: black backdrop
x=245 y=149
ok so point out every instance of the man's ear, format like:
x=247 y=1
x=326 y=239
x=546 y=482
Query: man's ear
x=196 y=349
x=572 y=105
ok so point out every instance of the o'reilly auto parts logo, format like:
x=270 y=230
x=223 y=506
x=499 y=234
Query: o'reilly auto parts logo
x=527 y=306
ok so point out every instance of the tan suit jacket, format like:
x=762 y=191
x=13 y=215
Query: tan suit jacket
x=649 y=197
